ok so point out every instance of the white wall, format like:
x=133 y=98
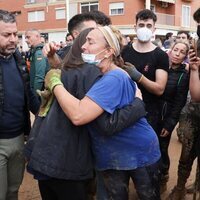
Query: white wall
x=57 y=37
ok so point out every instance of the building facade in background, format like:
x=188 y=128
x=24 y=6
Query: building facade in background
x=51 y=16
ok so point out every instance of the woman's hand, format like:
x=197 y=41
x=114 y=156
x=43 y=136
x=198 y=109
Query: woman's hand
x=52 y=78
x=194 y=61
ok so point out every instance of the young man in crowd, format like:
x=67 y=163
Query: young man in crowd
x=38 y=63
x=150 y=72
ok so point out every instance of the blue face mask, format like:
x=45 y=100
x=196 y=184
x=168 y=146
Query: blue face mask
x=91 y=58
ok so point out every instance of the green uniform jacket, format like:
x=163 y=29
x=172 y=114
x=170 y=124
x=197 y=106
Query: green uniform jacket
x=38 y=69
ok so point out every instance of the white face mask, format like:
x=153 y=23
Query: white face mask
x=144 y=34
x=91 y=58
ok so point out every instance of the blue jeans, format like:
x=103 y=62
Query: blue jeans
x=12 y=166
x=145 y=179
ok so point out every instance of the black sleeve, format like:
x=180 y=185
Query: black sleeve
x=108 y=124
x=178 y=103
x=163 y=60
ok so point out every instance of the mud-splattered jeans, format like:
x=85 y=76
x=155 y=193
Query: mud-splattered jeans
x=190 y=129
x=145 y=179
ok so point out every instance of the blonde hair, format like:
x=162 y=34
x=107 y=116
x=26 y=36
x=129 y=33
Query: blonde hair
x=115 y=40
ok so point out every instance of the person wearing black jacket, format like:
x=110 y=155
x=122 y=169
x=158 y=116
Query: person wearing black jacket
x=58 y=152
x=16 y=99
x=171 y=104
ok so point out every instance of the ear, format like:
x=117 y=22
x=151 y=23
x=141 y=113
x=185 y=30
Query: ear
x=75 y=34
x=110 y=52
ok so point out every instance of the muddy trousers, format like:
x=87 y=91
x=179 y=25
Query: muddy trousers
x=145 y=179
x=190 y=129
x=188 y=155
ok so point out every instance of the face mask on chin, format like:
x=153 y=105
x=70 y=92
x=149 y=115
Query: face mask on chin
x=91 y=58
x=144 y=34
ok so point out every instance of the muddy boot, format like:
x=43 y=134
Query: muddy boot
x=177 y=194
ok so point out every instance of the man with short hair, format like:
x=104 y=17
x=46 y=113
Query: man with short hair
x=168 y=41
x=183 y=36
x=39 y=63
x=150 y=72
x=16 y=99
x=76 y=24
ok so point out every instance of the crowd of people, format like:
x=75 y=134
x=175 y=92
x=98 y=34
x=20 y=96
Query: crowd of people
x=105 y=108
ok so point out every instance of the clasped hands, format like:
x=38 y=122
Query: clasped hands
x=52 y=78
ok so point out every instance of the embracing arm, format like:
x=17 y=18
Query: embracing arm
x=108 y=124
x=78 y=111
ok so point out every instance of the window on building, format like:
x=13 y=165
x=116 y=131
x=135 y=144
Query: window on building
x=186 y=13
x=89 y=6
x=60 y=13
x=116 y=8
x=36 y=16
x=30 y=1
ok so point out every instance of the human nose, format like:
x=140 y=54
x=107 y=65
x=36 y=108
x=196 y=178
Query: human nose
x=13 y=38
x=84 y=47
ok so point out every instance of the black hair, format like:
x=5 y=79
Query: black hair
x=76 y=22
x=100 y=18
x=7 y=17
x=168 y=35
x=196 y=15
x=146 y=14
x=184 y=32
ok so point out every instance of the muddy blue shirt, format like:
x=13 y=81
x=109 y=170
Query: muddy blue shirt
x=136 y=146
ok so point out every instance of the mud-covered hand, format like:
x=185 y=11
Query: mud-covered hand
x=133 y=72
x=52 y=78
x=46 y=100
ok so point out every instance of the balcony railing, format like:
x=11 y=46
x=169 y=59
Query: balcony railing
x=165 y=19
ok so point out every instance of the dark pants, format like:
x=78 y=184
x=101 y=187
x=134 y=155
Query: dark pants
x=154 y=119
x=165 y=159
x=145 y=179
x=55 y=189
